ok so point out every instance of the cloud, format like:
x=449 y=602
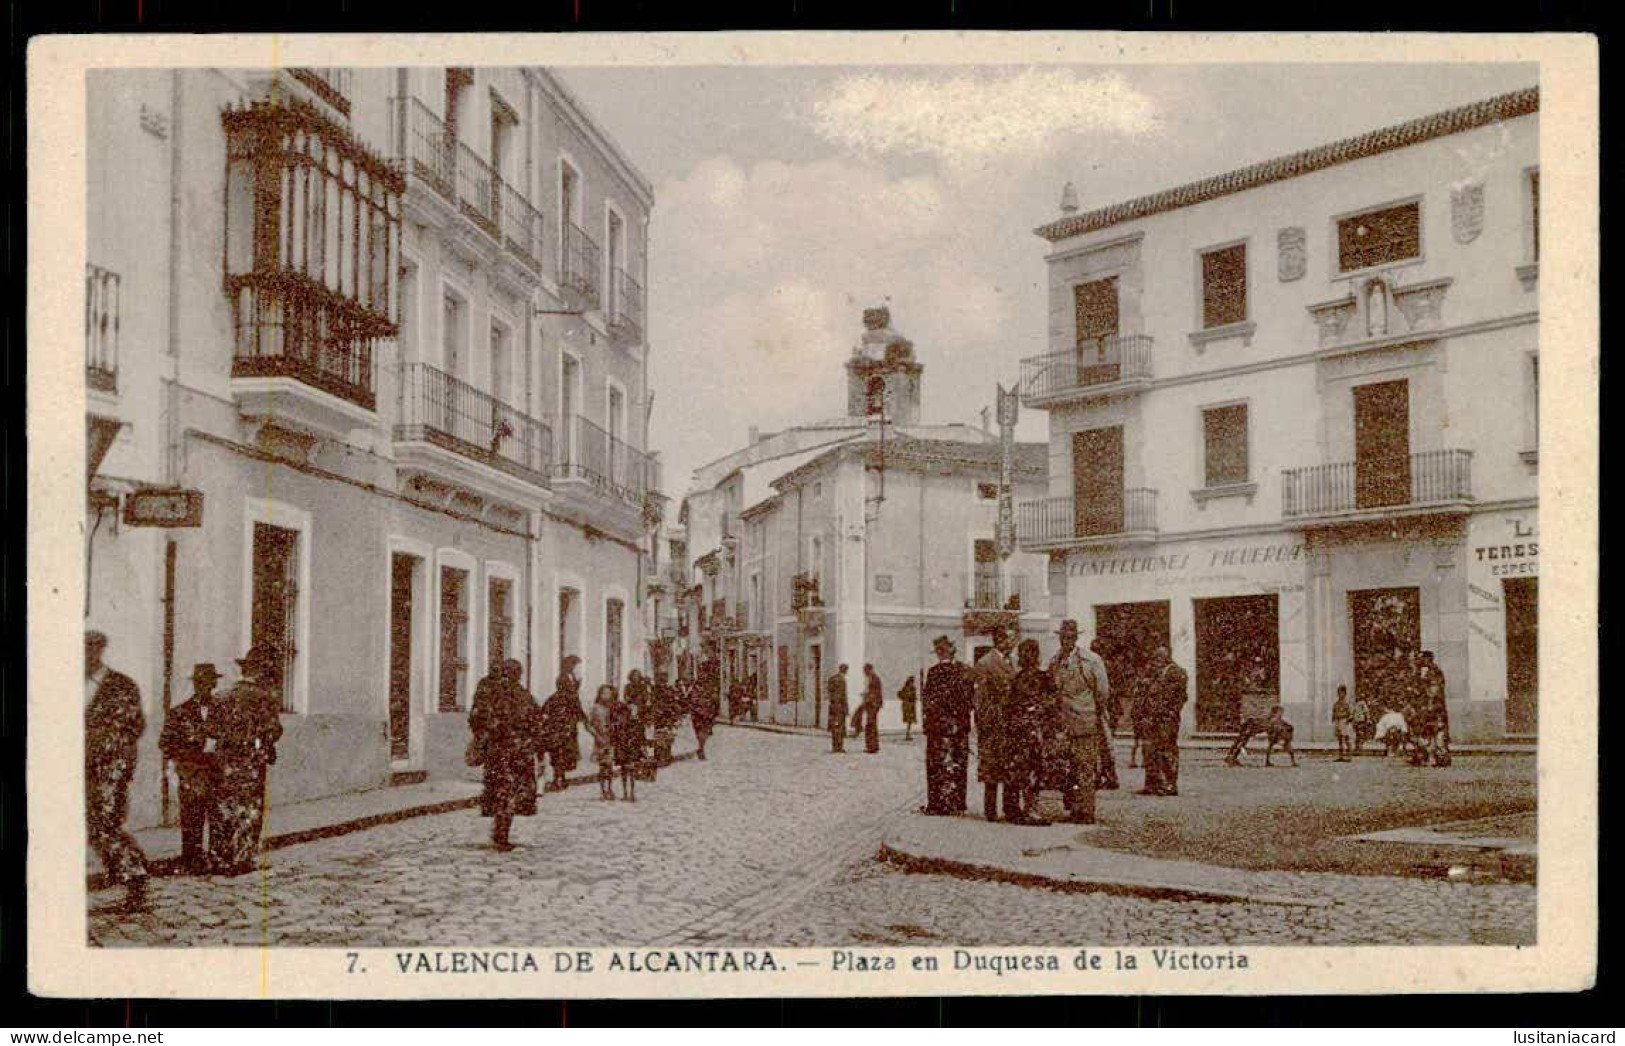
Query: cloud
x=973 y=118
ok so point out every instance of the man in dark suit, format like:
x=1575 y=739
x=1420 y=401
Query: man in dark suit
x=1169 y=692
x=186 y=742
x=836 y=721
x=114 y=723
x=950 y=691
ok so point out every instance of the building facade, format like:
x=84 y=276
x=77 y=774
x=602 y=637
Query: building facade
x=856 y=540
x=1293 y=419
x=389 y=324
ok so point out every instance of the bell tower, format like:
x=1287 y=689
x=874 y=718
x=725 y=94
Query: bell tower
x=883 y=378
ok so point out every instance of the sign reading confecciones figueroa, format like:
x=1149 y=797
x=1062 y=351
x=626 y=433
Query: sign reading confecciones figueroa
x=1178 y=562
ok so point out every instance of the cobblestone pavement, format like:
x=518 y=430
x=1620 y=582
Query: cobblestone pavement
x=770 y=842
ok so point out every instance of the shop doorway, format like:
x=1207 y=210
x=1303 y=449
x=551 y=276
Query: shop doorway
x=1382 y=444
x=1097 y=480
x=404 y=572
x=1518 y=595
x=1238 y=660
x=815 y=667
x=1127 y=635
x=1381 y=621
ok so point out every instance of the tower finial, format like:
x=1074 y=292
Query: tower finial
x=1069 y=198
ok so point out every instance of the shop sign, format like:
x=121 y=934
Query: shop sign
x=1516 y=554
x=163 y=508
x=1181 y=562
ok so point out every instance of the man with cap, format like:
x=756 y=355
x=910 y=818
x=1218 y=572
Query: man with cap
x=993 y=675
x=948 y=695
x=1080 y=679
x=186 y=741
x=114 y=723
x=1169 y=692
x=836 y=721
x=247 y=722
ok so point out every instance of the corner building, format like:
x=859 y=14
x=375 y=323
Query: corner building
x=390 y=324
x=1293 y=418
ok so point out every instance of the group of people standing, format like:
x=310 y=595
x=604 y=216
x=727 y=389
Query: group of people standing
x=1408 y=713
x=1040 y=728
x=866 y=720
x=632 y=730
x=222 y=745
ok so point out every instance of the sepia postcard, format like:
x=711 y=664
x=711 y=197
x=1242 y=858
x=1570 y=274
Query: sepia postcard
x=764 y=514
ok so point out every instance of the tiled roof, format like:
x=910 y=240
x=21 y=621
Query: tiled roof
x=1452 y=121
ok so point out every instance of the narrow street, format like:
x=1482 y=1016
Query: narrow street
x=771 y=841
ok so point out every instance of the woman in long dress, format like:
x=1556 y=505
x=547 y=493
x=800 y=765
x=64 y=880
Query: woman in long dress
x=561 y=716
x=600 y=721
x=503 y=723
x=244 y=728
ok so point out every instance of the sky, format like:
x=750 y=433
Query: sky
x=788 y=199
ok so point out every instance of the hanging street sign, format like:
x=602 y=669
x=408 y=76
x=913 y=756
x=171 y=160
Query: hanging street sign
x=163 y=508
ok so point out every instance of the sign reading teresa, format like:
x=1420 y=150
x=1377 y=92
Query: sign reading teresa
x=1179 y=562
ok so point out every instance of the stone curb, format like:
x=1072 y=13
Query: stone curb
x=1123 y=887
x=170 y=866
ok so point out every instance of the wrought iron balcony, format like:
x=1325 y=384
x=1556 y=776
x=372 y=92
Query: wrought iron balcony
x=606 y=464
x=103 y=289
x=332 y=85
x=439 y=409
x=991 y=592
x=288 y=326
x=625 y=308
x=1066 y=522
x=1095 y=367
x=804 y=592
x=579 y=266
x=1372 y=488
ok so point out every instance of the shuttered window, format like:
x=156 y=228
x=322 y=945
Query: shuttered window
x=1224 y=286
x=1224 y=431
x=1379 y=237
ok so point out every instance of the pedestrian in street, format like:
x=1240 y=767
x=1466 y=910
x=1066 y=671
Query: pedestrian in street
x=628 y=741
x=1170 y=691
x=114 y=723
x=561 y=716
x=1133 y=685
x=1343 y=724
x=502 y=722
x=600 y=723
x=868 y=713
x=247 y=724
x=705 y=703
x=950 y=691
x=1110 y=711
x=993 y=675
x=1434 y=696
x=666 y=714
x=910 y=698
x=1251 y=726
x=1032 y=712
x=1393 y=732
x=1081 y=681
x=640 y=697
x=836 y=713
x=1278 y=733
x=186 y=741
x=1365 y=725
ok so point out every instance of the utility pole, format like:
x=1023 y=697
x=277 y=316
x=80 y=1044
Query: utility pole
x=1009 y=406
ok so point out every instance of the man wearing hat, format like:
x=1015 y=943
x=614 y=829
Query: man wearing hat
x=948 y=695
x=1080 y=680
x=994 y=673
x=1169 y=692
x=247 y=722
x=187 y=741
x=114 y=723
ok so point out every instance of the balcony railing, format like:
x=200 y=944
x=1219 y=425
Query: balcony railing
x=1094 y=362
x=434 y=156
x=804 y=592
x=1428 y=479
x=1065 y=520
x=440 y=409
x=331 y=85
x=578 y=267
x=626 y=307
x=611 y=465
x=991 y=592
x=287 y=325
x=103 y=289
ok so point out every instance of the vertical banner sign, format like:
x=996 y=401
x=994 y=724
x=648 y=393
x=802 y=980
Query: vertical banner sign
x=1008 y=404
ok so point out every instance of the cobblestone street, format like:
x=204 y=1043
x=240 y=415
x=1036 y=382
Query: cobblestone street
x=771 y=841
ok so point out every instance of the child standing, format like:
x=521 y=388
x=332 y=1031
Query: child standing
x=601 y=722
x=627 y=734
x=1343 y=724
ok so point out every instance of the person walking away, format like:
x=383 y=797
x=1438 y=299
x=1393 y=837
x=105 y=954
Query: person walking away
x=561 y=715
x=910 y=699
x=628 y=744
x=993 y=675
x=1028 y=715
x=836 y=712
x=114 y=723
x=1171 y=689
x=247 y=724
x=1110 y=711
x=948 y=695
x=599 y=723
x=666 y=715
x=502 y=721
x=705 y=704
x=1081 y=680
x=185 y=740
x=869 y=712
x=1343 y=724
x=1278 y=732
x=639 y=697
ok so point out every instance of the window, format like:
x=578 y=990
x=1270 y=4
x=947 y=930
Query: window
x=406 y=340
x=1379 y=237
x=501 y=372
x=1224 y=434
x=1534 y=399
x=1224 y=286
x=453 y=335
x=987 y=491
x=453 y=638
x=569 y=381
x=275 y=602
x=569 y=607
x=1095 y=308
x=499 y=619
x=614 y=612
x=1534 y=215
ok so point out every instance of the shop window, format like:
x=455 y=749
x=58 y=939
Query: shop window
x=1224 y=436
x=453 y=638
x=1224 y=286
x=1379 y=237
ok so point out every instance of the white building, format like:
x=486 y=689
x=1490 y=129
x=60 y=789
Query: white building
x=390 y=323
x=1293 y=416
